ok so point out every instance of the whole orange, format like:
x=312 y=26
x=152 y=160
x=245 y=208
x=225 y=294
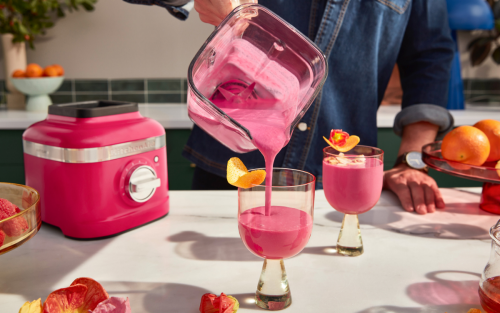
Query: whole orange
x=59 y=68
x=50 y=71
x=34 y=70
x=18 y=74
x=466 y=144
x=491 y=129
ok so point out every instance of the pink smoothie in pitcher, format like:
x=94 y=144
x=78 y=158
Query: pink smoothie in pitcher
x=265 y=105
x=353 y=188
x=282 y=234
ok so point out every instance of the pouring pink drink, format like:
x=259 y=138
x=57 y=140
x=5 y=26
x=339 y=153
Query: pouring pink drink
x=266 y=106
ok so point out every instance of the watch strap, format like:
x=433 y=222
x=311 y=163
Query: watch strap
x=402 y=160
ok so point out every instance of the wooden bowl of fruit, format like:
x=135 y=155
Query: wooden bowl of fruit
x=20 y=217
x=37 y=83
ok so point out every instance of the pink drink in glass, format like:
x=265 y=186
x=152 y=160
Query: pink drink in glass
x=353 y=189
x=352 y=183
x=281 y=235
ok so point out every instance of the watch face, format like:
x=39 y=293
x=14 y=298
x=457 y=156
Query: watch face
x=414 y=159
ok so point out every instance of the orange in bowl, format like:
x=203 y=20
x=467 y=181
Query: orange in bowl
x=34 y=70
x=19 y=74
x=50 y=71
x=466 y=144
x=491 y=128
x=59 y=69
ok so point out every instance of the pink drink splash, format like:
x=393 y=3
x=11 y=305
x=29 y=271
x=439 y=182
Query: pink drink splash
x=266 y=106
x=353 y=189
x=280 y=235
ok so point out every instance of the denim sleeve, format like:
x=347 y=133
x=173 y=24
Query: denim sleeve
x=178 y=8
x=424 y=63
x=424 y=113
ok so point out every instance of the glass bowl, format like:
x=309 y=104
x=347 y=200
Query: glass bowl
x=22 y=226
x=431 y=155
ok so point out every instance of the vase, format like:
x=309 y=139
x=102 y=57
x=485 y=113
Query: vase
x=14 y=55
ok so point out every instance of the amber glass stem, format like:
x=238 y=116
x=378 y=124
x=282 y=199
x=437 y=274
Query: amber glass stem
x=350 y=242
x=273 y=292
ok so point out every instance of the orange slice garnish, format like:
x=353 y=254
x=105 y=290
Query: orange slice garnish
x=239 y=176
x=347 y=145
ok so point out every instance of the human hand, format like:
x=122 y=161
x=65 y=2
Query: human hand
x=214 y=11
x=416 y=190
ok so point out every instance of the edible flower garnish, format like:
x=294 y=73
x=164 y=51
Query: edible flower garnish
x=113 y=305
x=34 y=306
x=82 y=295
x=239 y=176
x=210 y=303
x=338 y=137
x=341 y=141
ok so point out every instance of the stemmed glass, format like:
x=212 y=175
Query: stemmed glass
x=280 y=233
x=352 y=183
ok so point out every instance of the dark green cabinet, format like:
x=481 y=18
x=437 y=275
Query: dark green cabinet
x=11 y=156
x=180 y=170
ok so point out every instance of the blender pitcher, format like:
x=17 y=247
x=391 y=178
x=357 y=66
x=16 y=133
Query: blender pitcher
x=489 y=285
x=254 y=67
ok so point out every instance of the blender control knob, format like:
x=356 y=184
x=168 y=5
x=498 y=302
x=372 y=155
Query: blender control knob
x=143 y=183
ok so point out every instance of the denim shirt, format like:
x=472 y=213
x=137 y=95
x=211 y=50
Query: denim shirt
x=362 y=40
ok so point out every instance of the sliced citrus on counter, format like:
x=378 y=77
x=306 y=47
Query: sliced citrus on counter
x=239 y=176
x=341 y=141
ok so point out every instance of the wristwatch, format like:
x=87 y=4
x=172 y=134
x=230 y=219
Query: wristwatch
x=413 y=159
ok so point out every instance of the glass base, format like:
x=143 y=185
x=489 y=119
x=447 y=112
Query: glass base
x=273 y=303
x=350 y=242
x=349 y=251
x=490 y=198
x=273 y=292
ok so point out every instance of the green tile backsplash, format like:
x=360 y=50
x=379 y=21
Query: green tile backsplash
x=89 y=97
x=165 y=98
x=129 y=97
x=67 y=85
x=164 y=85
x=172 y=90
x=127 y=85
x=62 y=98
x=91 y=85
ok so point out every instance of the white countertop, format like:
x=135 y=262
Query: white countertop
x=171 y=116
x=412 y=263
x=174 y=116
